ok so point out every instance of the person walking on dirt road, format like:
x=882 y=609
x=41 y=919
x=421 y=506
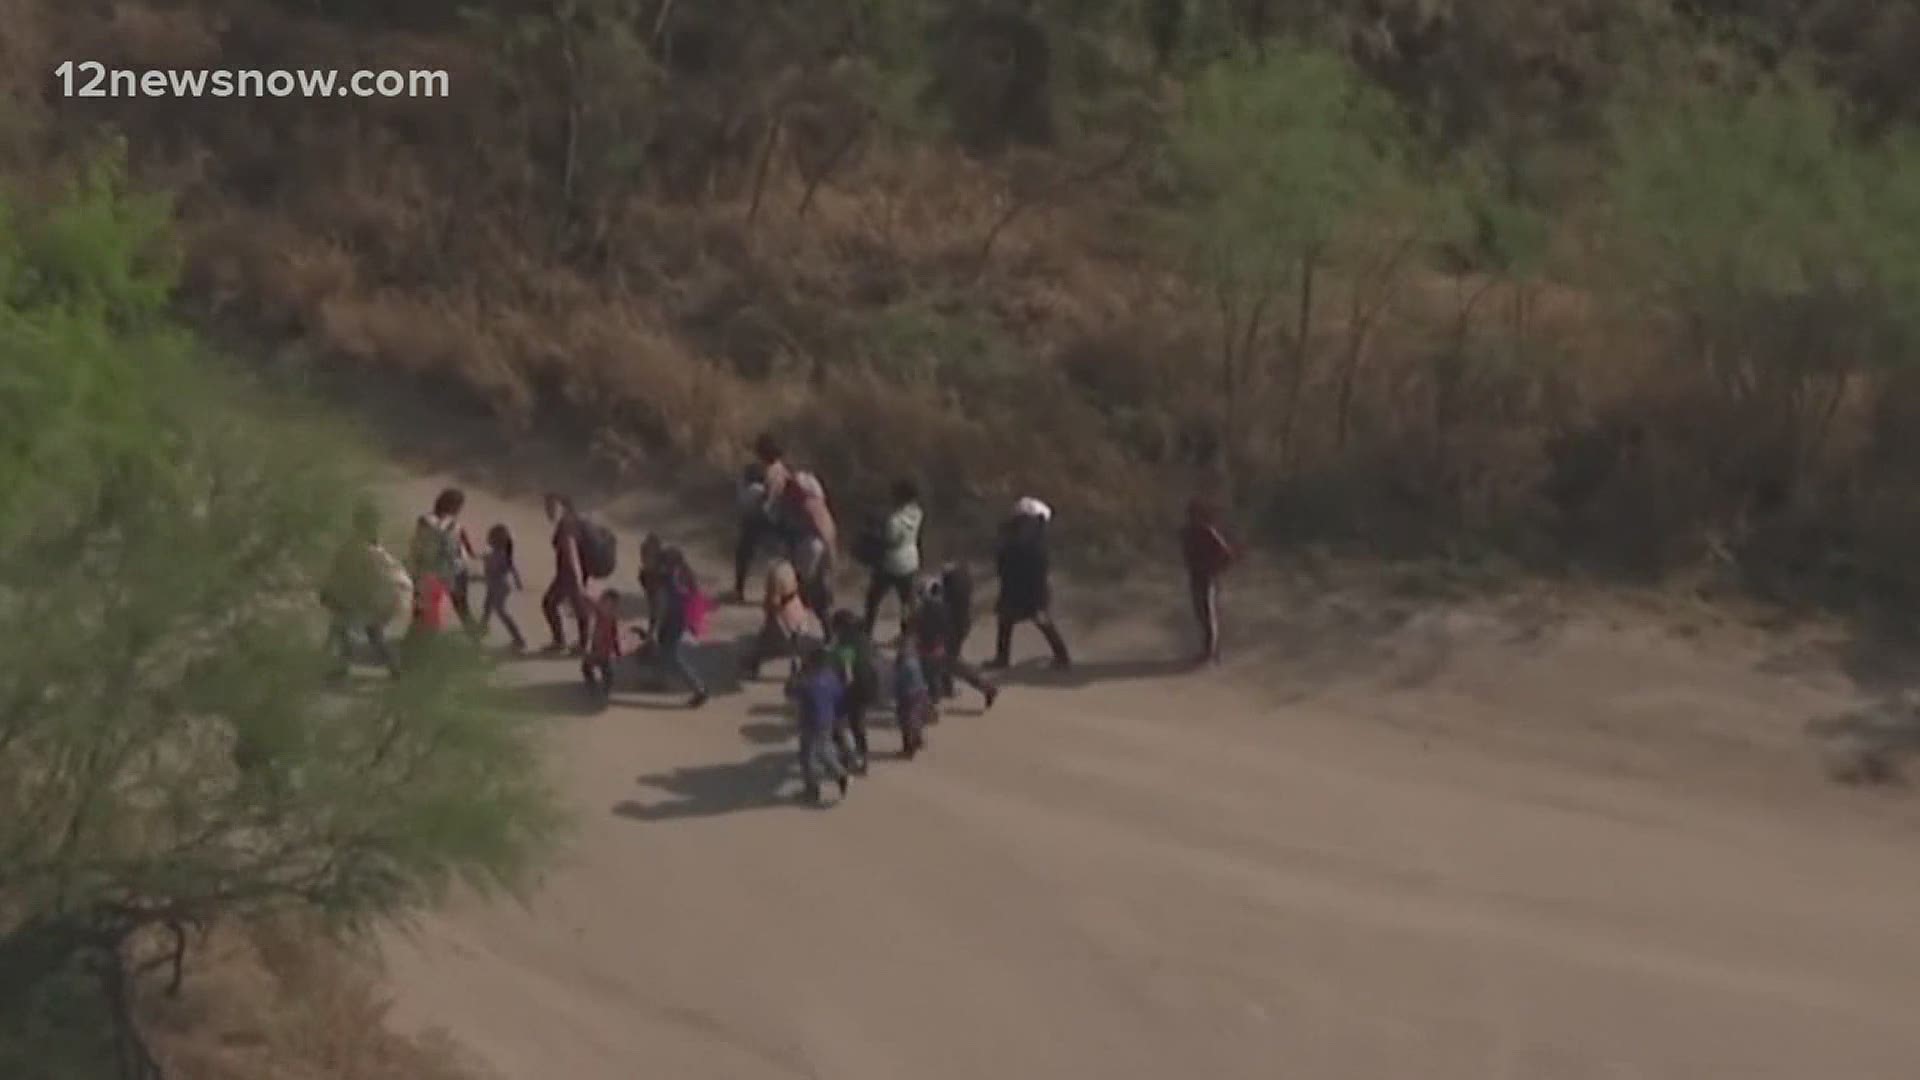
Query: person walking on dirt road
x=365 y=589
x=896 y=552
x=787 y=623
x=853 y=657
x=1026 y=588
x=819 y=699
x=569 y=586
x=756 y=529
x=673 y=616
x=502 y=580
x=1208 y=554
x=931 y=634
x=816 y=539
x=442 y=549
x=601 y=651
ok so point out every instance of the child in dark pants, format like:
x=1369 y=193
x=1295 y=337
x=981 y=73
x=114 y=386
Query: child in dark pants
x=503 y=577
x=912 y=701
x=1208 y=554
x=931 y=632
x=819 y=699
x=603 y=643
x=852 y=651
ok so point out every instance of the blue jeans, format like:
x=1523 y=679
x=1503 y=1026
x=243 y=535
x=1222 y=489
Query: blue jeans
x=821 y=754
x=670 y=651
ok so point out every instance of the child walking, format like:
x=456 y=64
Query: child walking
x=502 y=579
x=603 y=643
x=819 y=697
x=933 y=632
x=912 y=700
x=852 y=650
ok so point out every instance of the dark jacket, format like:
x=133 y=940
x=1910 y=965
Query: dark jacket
x=956 y=587
x=1206 y=550
x=931 y=626
x=1025 y=570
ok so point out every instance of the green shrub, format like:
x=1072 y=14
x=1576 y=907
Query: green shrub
x=172 y=752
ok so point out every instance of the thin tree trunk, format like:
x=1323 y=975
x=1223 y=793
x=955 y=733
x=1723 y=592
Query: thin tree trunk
x=1359 y=337
x=660 y=22
x=570 y=152
x=1047 y=193
x=1297 y=375
x=1229 y=380
x=1000 y=225
x=763 y=167
x=827 y=169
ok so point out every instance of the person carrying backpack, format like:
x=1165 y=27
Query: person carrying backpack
x=442 y=549
x=678 y=612
x=1208 y=554
x=895 y=553
x=570 y=579
x=1026 y=589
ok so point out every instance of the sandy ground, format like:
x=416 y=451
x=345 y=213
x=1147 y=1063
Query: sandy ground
x=1396 y=839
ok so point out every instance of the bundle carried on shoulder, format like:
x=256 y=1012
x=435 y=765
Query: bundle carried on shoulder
x=1028 y=506
x=367 y=585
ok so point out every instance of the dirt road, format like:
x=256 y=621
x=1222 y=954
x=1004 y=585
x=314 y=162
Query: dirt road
x=1461 y=849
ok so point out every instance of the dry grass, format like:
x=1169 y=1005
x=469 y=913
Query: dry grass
x=282 y=1004
x=652 y=312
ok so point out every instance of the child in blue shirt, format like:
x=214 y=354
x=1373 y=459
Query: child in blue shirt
x=819 y=698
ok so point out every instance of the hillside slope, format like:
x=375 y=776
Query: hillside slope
x=977 y=243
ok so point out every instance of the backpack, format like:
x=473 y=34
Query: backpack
x=699 y=608
x=599 y=549
x=435 y=549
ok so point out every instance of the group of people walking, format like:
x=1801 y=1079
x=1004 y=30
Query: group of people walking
x=835 y=675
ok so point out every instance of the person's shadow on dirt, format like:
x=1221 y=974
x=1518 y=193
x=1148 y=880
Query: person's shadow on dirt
x=697 y=791
x=717 y=664
x=1040 y=674
x=776 y=724
x=767 y=732
x=563 y=697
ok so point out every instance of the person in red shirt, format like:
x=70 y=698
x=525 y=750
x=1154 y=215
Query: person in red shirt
x=1208 y=555
x=602 y=642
